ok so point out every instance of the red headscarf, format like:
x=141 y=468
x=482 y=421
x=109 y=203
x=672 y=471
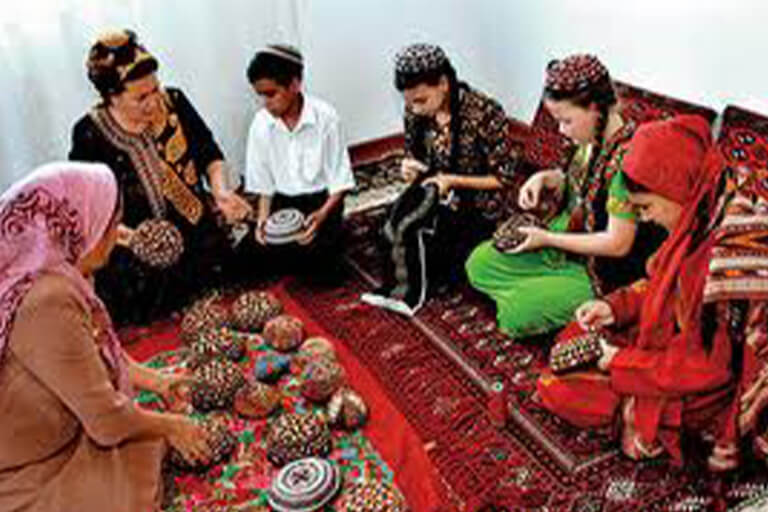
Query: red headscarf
x=674 y=159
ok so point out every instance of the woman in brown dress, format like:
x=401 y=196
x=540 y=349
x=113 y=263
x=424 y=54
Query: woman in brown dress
x=71 y=437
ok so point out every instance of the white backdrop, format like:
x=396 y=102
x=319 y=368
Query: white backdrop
x=708 y=51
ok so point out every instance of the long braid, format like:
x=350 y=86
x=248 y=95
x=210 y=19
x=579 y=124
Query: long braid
x=602 y=122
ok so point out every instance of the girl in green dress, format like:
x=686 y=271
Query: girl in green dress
x=591 y=246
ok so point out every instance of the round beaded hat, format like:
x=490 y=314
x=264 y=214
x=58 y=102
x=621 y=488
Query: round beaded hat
x=577 y=352
x=318 y=345
x=251 y=310
x=346 y=409
x=284 y=332
x=256 y=400
x=508 y=236
x=304 y=485
x=202 y=316
x=215 y=385
x=320 y=379
x=270 y=367
x=294 y=436
x=157 y=243
x=221 y=342
x=370 y=496
x=221 y=442
x=283 y=226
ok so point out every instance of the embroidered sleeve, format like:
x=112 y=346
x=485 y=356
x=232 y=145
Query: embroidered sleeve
x=495 y=138
x=618 y=204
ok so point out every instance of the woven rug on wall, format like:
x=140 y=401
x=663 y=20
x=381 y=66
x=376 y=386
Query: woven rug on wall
x=452 y=353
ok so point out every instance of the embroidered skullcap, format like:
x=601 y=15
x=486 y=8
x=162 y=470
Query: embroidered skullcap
x=285 y=52
x=575 y=73
x=666 y=157
x=420 y=58
x=116 y=58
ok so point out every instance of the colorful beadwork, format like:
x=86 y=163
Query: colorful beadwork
x=284 y=332
x=256 y=400
x=157 y=243
x=251 y=310
x=294 y=436
x=320 y=379
x=576 y=352
x=270 y=367
x=371 y=497
x=202 y=316
x=216 y=383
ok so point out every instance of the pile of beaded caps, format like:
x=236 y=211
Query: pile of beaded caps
x=216 y=337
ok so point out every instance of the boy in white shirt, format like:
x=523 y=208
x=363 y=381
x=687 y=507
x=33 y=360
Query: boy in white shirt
x=296 y=158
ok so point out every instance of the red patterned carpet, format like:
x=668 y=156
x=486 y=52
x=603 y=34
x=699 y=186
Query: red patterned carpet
x=442 y=368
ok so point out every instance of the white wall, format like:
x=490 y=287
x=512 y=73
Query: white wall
x=713 y=52
x=708 y=51
x=203 y=47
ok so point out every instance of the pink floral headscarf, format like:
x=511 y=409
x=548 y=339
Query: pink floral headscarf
x=48 y=221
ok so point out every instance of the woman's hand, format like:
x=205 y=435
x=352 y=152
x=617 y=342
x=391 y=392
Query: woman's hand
x=609 y=352
x=189 y=438
x=176 y=392
x=530 y=192
x=444 y=183
x=124 y=235
x=593 y=314
x=536 y=238
x=232 y=206
x=410 y=168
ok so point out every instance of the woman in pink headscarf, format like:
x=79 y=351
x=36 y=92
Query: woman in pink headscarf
x=71 y=438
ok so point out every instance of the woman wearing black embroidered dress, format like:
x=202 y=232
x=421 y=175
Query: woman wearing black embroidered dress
x=455 y=141
x=161 y=152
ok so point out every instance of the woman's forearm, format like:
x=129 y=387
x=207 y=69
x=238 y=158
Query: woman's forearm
x=488 y=182
x=217 y=178
x=588 y=244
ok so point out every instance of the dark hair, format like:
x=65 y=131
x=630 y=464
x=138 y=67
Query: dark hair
x=107 y=60
x=431 y=77
x=270 y=66
x=633 y=186
x=601 y=93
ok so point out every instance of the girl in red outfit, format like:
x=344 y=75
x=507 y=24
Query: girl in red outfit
x=672 y=370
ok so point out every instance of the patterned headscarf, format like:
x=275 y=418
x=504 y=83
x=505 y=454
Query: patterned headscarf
x=575 y=73
x=48 y=221
x=420 y=58
x=116 y=58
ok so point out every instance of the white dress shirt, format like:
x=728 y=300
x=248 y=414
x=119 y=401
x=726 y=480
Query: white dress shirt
x=311 y=158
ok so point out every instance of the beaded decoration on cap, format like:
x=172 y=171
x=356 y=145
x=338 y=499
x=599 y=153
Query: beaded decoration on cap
x=574 y=73
x=419 y=58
